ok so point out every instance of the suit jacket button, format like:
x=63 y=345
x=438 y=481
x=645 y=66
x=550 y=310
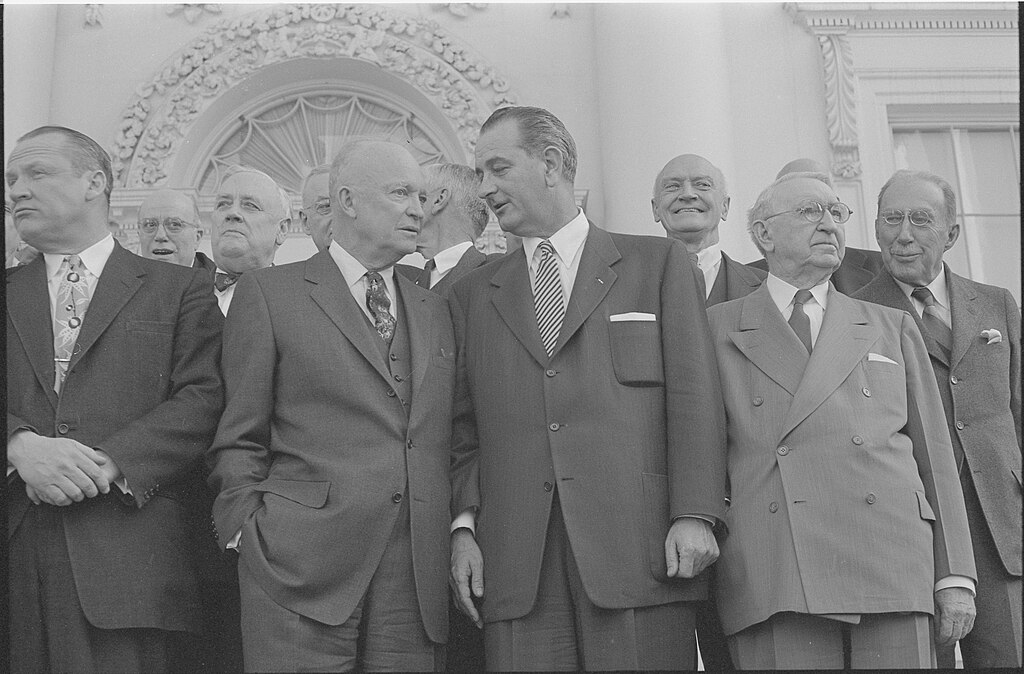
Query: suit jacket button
x=553 y=427
x=758 y=401
x=393 y=356
x=783 y=450
x=63 y=429
x=866 y=391
x=960 y=425
x=870 y=499
x=548 y=486
x=391 y=393
x=954 y=380
x=550 y=373
x=857 y=440
x=397 y=377
x=408 y=444
x=397 y=497
x=773 y=507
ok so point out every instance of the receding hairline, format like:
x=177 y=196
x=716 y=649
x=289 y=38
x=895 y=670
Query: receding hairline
x=716 y=173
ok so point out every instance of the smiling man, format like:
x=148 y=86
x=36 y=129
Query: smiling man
x=331 y=459
x=690 y=201
x=169 y=229
x=250 y=220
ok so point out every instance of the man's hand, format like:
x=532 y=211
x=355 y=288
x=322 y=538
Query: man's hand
x=467 y=572
x=59 y=470
x=690 y=547
x=954 y=615
x=110 y=469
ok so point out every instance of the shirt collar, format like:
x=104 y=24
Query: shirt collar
x=352 y=269
x=938 y=287
x=567 y=241
x=94 y=258
x=782 y=292
x=449 y=257
x=708 y=257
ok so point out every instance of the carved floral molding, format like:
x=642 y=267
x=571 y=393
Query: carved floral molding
x=463 y=87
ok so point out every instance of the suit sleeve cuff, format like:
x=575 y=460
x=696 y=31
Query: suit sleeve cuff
x=466 y=519
x=956 y=581
x=707 y=518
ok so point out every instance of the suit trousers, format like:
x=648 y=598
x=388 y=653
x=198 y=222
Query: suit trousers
x=565 y=631
x=995 y=640
x=384 y=633
x=49 y=631
x=801 y=641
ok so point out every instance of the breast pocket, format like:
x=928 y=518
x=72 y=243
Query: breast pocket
x=151 y=349
x=636 y=353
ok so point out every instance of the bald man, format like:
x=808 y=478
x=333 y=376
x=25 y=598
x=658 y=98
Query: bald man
x=859 y=265
x=170 y=229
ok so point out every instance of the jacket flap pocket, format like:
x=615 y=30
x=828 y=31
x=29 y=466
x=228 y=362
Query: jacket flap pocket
x=305 y=492
x=925 y=507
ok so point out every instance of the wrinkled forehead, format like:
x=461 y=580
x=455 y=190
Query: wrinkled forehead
x=390 y=164
x=791 y=193
x=913 y=193
x=317 y=187
x=167 y=204
x=690 y=167
x=254 y=185
x=50 y=147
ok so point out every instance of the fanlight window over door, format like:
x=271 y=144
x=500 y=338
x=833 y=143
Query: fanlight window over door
x=288 y=139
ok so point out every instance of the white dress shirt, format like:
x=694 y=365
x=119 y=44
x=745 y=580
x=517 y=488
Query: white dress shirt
x=446 y=260
x=710 y=261
x=782 y=294
x=355 y=277
x=940 y=292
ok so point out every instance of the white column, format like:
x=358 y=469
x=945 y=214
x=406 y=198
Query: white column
x=30 y=36
x=663 y=90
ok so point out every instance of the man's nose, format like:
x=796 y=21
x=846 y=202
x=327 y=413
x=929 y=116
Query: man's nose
x=486 y=188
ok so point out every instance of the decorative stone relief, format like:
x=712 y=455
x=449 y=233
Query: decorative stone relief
x=463 y=87
x=94 y=15
x=462 y=8
x=191 y=12
x=840 y=105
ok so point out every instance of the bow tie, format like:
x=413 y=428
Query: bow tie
x=222 y=281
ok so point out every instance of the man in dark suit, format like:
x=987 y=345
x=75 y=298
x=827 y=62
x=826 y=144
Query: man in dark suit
x=251 y=216
x=690 y=200
x=972 y=332
x=107 y=353
x=588 y=449
x=170 y=229
x=859 y=265
x=331 y=459
x=453 y=219
x=846 y=521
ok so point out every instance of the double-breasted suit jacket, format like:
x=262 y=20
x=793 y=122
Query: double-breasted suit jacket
x=980 y=387
x=143 y=386
x=316 y=448
x=624 y=420
x=844 y=495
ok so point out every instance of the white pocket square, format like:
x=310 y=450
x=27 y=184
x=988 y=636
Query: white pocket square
x=632 y=316
x=992 y=335
x=879 y=358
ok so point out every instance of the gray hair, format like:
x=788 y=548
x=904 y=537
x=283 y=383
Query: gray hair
x=538 y=130
x=282 y=194
x=764 y=205
x=463 y=183
x=318 y=171
x=948 y=195
x=86 y=154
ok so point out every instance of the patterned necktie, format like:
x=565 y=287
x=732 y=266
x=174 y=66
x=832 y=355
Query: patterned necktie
x=547 y=297
x=799 y=321
x=224 y=280
x=378 y=303
x=935 y=325
x=72 y=301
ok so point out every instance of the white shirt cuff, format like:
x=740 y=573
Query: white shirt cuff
x=956 y=581
x=233 y=543
x=466 y=519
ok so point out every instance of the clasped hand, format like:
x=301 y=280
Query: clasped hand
x=59 y=471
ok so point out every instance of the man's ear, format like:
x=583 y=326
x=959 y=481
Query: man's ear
x=952 y=235
x=654 y=210
x=282 y=230
x=199 y=234
x=444 y=195
x=345 y=200
x=97 y=185
x=759 y=230
x=553 y=161
x=725 y=208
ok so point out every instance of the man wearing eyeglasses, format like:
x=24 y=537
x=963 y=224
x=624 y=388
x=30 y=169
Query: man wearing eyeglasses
x=315 y=214
x=972 y=332
x=169 y=229
x=846 y=523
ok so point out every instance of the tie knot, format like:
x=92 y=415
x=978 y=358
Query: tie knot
x=802 y=297
x=546 y=249
x=924 y=296
x=224 y=280
x=374 y=279
x=430 y=265
x=694 y=260
x=74 y=262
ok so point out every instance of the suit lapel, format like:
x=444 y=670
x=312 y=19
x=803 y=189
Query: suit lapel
x=121 y=279
x=720 y=289
x=469 y=261
x=513 y=300
x=964 y=315
x=892 y=295
x=420 y=329
x=331 y=294
x=768 y=342
x=28 y=307
x=844 y=339
x=594 y=278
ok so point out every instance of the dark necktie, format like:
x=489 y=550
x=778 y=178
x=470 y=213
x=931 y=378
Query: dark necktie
x=699 y=273
x=224 y=280
x=799 y=321
x=423 y=280
x=547 y=297
x=378 y=303
x=932 y=323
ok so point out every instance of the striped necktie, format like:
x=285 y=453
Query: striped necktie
x=547 y=297
x=936 y=327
